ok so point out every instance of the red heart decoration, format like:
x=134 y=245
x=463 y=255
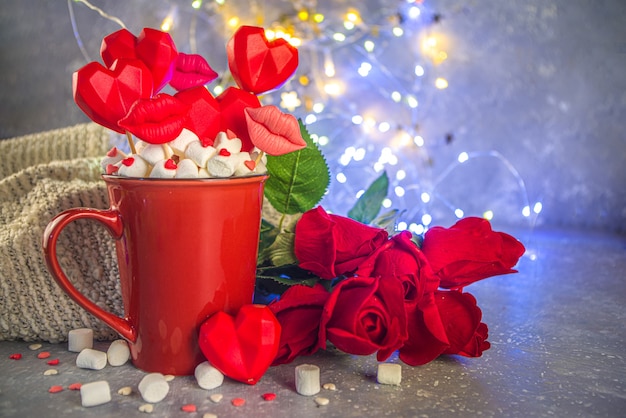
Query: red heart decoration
x=233 y=102
x=203 y=117
x=120 y=44
x=157 y=120
x=157 y=50
x=243 y=347
x=106 y=95
x=191 y=70
x=259 y=65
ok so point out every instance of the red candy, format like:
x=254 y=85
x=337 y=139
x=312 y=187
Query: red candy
x=243 y=347
x=55 y=389
x=74 y=386
x=233 y=102
x=53 y=362
x=43 y=354
x=257 y=64
x=224 y=152
x=273 y=131
x=157 y=50
x=203 y=117
x=238 y=401
x=120 y=44
x=188 y=408
x=191 y=70
x=157 y=120
x=269 y=396
x=15 y=356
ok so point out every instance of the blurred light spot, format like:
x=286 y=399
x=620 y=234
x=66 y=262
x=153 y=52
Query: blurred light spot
x=341 y=178
x=488 y=215
x=426 y=219
x=458 y=213
x=399 y=191
x=425 y=197
x=463 y=157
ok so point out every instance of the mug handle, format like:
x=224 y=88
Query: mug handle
x=112 y=220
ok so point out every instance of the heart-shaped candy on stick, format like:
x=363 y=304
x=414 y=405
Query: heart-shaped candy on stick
x=203 y=117
x=157 y=50
x=257 y=64
x=191 y=70
x=243 y=347
x=106 y=95
x=272 y=131
x=233 y=102
x=157 y=120
x=120 y=44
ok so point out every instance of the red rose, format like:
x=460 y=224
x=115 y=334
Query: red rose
x=332 y=245
x=364 y=315
x=461 y=318
x=400 y=259
x=298 y=311
x=470 y=251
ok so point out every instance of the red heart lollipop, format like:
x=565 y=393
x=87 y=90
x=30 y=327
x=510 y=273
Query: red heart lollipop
x=243 y=347
x=259 y=65
x=106 y=95
x=203 y=117
x=120 y=44
x=157 y=50
x=232 y=102
x=191 y=70
x=157 y=120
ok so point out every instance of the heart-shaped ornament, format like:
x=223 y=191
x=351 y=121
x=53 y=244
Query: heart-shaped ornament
x=257 y=64
x=233 y=102
x=203 y=117
x=106 y=95
x=157 y=50
x=120 y=44
x=242 y=347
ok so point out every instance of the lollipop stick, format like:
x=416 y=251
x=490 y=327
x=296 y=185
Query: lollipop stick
x=258 y=158
x=131 y=143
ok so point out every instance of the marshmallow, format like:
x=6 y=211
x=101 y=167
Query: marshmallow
x=225 y=165
x=112 y=157
x=134 y=166
x=118 y=353
x=199 y=154
x=207 y=376
x=232 y=145
x=187 y=169
x=153 y=387
x=165 y=169
x=203 y=173
x=180 y=143
x=95 y=393
x=153 y=153
x=307 y=379
x=79 y=339
x=389 y=374
x=91 y=359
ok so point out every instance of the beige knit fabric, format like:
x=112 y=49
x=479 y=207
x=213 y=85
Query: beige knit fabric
x=40 y=176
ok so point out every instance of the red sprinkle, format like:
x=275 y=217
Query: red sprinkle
x=128 y=161
x=55 y=389
x=15 y=356
x=43 y=354
x=188 y=408
x=74 y=386
x=53 y=362
x=112 y=169
x=238 y=401
x=224 y=152
x=112 y=152
x=269 y=396
x=170 y=164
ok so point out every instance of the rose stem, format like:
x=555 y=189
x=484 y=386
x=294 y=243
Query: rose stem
x=131 y=143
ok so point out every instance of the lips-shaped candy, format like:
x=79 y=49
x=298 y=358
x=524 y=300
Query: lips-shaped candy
x=191 y=70
x=106 y=95
x=232 y=102
x=272 y=131
x=157 y=50
x=243 y=347
x=157 y=120
x=203 y=115
x=259 y=65
x=120 y=44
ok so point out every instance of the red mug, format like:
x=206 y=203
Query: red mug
x=185 y=250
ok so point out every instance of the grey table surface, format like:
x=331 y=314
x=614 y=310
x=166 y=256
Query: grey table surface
x=556 y=328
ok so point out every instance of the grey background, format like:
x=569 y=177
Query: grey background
x=540 y=83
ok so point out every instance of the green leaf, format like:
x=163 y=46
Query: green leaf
x=370 y=202
x=281 y=253
x=298 y=180
x=267 y=236
x=387 y=220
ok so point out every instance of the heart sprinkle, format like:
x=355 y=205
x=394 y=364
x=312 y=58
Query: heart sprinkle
x=55 y=389
x=75 y=386
x=53 y=362
x=188 y=408
x=224 y=152
x=43 y=354
x=15 y=356
x=216 y=397
x=269 y=396
x=238 y=401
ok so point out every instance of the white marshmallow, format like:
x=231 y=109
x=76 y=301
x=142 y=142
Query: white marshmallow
x=134 y=166
x=389 y=374
x=95 y=393
x=118 y=353
x=232 y=145
x=153 y=387
x=154 y=153
x=203 y=173
x=187 y=169
x=91 y=359
x=112 y=157
x=161 y=171
x=199 y=154
x=79 y=339
x=225 y=166
x=207 y=376
x=180 y=143
x=307 y=379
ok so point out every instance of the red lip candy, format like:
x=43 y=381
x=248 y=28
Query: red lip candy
x=273 y=131
x=191 y=70
x=157 y=120
x=243 y=347
x=257 y=64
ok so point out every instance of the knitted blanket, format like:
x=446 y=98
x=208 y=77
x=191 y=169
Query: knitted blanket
x=40 y=176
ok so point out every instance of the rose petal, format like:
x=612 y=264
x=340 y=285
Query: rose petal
x=273 y=131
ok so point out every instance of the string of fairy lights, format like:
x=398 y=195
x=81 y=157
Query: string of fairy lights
x=367 y=72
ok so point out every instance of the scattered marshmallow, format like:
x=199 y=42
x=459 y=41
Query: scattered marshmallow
x=153 y=153
x=329 y=386
x=133 y=166
x=91 y=359
x=207 y=376
x=118 y=353
x=216 y=397
x=153 y=387
x=182 y=141
x=34 y=347
x=209 y=415
x=307 y=379
x=322 y=401
x=79 y=339
x=389 y=374
x=199 y=154
x=95 y=393
x=125 y=391
x=187 y=169
x=146 y=407
x=50 y=372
